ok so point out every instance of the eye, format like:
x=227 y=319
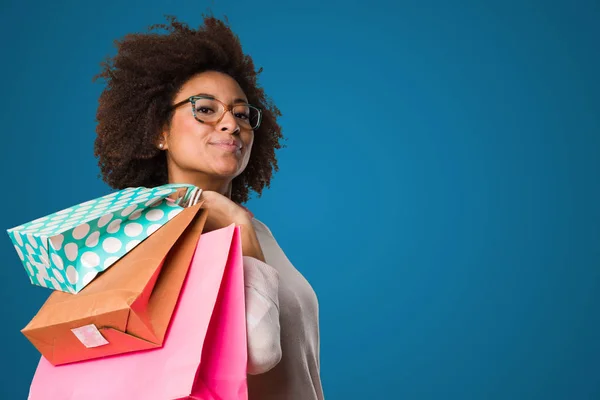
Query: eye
x=243 y=116
x=241 y=112
x=204 y=110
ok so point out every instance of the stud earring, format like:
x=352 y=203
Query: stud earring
x=160 y=145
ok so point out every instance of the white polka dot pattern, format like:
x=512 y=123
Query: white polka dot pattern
x=71 y=251
x=81 y=231
x=57 y=241
x=131 y=245
x=114 y=226
x=68 y=249
x=92 y=240
x=112 y=245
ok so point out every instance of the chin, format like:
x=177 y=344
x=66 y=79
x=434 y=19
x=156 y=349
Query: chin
x=227 y=170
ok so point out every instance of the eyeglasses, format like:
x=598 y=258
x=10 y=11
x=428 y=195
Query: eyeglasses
x=209 y=110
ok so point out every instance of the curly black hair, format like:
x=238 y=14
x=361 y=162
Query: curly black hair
x=141 y=81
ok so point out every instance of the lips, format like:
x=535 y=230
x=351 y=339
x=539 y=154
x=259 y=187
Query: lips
x=227 y=144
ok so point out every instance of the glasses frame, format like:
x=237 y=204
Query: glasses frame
x=226 y=108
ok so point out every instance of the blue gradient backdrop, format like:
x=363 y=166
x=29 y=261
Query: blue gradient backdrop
x=440 y=187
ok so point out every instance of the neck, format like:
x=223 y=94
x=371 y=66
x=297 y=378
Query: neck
x=203 y=181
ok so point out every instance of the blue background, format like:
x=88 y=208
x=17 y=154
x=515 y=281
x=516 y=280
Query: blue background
x=440 y=187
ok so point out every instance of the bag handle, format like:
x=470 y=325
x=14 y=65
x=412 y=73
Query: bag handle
x=189 y=198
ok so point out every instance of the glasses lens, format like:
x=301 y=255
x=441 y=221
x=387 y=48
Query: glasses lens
x=247 y=115
x=208 y=110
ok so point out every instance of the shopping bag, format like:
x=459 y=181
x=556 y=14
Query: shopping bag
x=60 y=250
x=128 y=307
x=204 y=355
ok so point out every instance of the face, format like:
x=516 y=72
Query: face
x=207 y=151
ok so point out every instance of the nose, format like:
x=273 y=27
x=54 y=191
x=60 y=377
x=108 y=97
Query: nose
x=228 y=123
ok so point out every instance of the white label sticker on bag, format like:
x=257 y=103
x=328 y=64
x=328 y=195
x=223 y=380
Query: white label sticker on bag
x=90 y=336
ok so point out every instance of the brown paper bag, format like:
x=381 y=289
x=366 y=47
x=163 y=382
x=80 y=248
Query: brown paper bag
x=128 y=307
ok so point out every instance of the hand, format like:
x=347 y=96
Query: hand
x=222 y=211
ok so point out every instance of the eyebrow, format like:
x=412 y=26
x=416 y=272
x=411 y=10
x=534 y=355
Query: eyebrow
x=238 y=100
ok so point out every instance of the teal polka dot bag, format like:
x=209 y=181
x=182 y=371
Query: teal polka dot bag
x=66 y=250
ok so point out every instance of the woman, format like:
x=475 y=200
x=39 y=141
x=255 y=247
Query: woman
x=184 y=106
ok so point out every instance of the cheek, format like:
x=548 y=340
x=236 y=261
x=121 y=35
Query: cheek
x=188 y=138
x=248 y=143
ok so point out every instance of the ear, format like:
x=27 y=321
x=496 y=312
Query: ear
x=163 y=143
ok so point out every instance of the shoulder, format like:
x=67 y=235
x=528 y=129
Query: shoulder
x=260 y=226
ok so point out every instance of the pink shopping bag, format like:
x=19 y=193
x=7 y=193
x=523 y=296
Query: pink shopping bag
x=204 y=355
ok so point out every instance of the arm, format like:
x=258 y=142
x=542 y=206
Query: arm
x=261 y=284
x=262 y=315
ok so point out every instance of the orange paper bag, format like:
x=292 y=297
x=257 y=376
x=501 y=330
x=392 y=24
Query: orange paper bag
x=128 y=307
x=204 y=356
